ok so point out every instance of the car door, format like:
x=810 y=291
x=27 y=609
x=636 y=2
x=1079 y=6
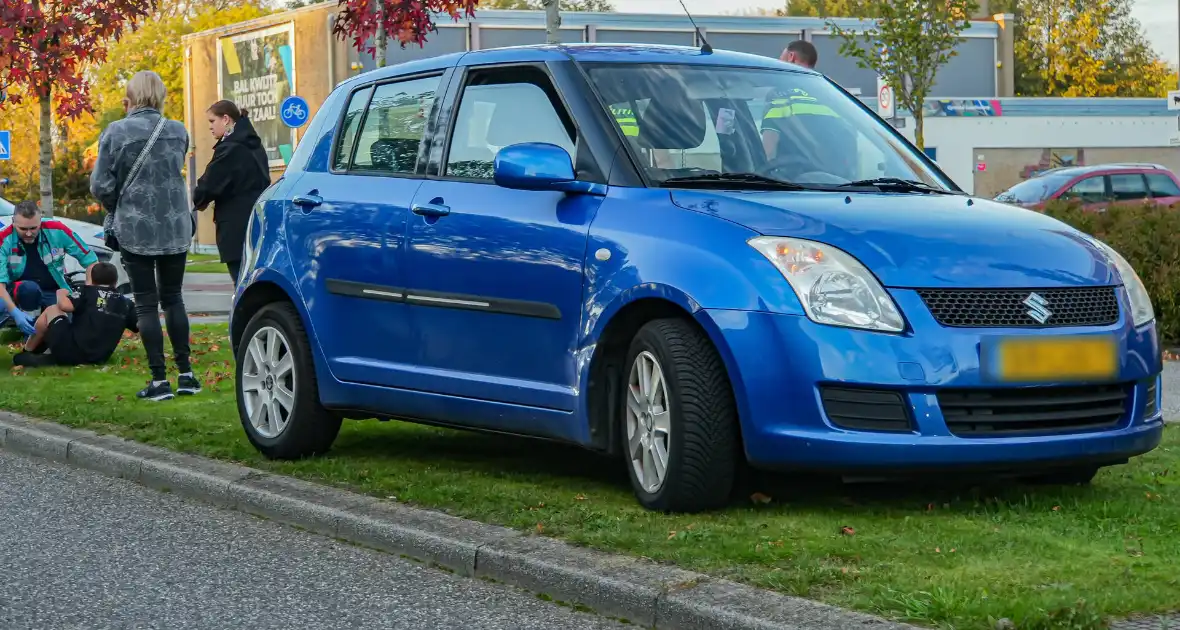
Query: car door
x=495 y=276
x=1163 y=188
x=346 y=233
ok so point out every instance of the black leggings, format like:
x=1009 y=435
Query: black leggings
x=157 y=282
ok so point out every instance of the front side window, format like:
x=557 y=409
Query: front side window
x=1089 y=190
x=394 y=126
x=688 y=120
x=500 y=108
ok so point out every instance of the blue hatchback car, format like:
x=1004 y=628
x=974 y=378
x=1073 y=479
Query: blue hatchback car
x=692 y=260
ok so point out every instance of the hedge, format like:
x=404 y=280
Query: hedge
x=1148 y=236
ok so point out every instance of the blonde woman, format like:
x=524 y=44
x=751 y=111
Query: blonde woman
x=137 y=178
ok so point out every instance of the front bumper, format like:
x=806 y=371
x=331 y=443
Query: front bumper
x=779 y=364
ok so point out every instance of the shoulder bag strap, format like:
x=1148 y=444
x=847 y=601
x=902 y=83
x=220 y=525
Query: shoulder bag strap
x=143 y=153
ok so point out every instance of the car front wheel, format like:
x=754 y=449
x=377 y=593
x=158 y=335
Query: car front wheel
x=680 y=431
x=278 y=397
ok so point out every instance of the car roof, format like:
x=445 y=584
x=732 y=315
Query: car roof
x=1073 y=171
x=586 y=53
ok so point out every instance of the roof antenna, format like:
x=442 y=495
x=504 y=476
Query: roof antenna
x=705 y=47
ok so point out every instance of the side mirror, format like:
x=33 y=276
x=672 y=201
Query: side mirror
x=539 y=166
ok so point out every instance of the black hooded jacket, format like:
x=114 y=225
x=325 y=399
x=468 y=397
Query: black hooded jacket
x=236 y=176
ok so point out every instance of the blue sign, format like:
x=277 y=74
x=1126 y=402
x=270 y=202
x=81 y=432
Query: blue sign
x=5 y=145
x=294 y=111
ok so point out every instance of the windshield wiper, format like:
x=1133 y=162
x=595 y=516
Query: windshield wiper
x=749 y=180
x=898 y=184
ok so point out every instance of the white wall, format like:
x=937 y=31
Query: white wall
x=957 y=138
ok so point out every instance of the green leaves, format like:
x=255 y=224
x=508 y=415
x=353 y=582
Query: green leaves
x=908 y=43
x=407 y=21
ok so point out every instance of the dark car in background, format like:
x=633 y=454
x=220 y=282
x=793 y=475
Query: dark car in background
x=1097 y=186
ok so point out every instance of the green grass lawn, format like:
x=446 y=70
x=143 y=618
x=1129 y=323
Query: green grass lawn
x=205 y=263
x=1061 y=558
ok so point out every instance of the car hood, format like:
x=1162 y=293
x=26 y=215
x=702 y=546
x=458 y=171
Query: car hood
x=922 y=240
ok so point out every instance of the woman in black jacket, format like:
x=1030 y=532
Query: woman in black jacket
x=238 y=173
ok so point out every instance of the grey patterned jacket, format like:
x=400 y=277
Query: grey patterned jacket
x=154 y=217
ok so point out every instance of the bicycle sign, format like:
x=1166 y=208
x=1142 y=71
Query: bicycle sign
x=294 y=111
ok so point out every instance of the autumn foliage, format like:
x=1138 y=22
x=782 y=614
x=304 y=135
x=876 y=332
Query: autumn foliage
x=407 y=21
x=48 y=45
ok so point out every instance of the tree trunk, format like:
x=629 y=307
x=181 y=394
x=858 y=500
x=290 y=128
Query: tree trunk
x=919 y=130
x=552 y=22
x=47 y=154
x=379 y=54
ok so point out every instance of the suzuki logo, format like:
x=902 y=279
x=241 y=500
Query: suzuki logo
x=1038 y=308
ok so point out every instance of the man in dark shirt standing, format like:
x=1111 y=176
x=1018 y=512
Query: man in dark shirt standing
x=85 y=326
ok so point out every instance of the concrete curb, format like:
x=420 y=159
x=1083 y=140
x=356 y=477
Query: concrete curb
x=640 y=591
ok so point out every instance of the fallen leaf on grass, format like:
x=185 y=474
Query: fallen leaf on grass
x=92 y=399
x=580 y=498
x=118 y=399
x=847 y=531
x=758 y=497
x=671 y=534
x=214 y=348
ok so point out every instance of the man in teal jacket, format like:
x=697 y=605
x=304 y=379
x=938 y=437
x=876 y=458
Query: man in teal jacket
x=32 y=263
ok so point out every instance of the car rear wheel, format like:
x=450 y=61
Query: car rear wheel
x=680 y=432
x=278 y=397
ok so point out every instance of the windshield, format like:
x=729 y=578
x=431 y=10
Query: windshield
x=1034 y=190
x=687 y=120
x=7 y=208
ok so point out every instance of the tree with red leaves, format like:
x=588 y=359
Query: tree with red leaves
x=45 y=48
x=409 y=21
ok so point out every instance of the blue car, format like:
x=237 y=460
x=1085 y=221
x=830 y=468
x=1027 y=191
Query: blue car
x=693 y=260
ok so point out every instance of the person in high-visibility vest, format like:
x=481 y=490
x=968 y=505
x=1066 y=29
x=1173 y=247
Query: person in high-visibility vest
x=629 y=124
x=794 y=114
x=625 y=116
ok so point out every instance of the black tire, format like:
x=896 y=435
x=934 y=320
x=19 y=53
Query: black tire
x=1079 y=476
x=311 y=429
x=703 y=451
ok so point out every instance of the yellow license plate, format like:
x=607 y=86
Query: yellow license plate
x=1055 y=359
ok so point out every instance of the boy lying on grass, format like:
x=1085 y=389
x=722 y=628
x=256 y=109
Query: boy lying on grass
x=85 y=326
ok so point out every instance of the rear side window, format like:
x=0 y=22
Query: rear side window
x=1162 y=186
x=352 y=122
x=394 y=126
x=1127 y=187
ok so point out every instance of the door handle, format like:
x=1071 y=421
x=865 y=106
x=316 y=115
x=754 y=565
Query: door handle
x=310 y=200
x=431 y=209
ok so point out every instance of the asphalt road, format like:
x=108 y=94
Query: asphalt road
x=79 y=550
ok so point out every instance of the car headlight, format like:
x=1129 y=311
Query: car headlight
x=833 y=287
x=1141 y=310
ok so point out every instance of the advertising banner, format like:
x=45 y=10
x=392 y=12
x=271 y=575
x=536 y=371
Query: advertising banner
x=256 y=70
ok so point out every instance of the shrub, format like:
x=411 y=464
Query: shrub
x=1148 y=236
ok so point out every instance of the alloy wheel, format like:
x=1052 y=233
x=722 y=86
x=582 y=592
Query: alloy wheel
x=268 y=382
x=649 y=422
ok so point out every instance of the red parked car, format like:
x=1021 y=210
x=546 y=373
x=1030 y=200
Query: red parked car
x=1097 y=186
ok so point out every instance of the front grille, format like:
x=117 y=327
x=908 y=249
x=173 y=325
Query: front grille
x=1037 y=410
x=1006 y=308
x=1149 y=406
x=866 y=409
